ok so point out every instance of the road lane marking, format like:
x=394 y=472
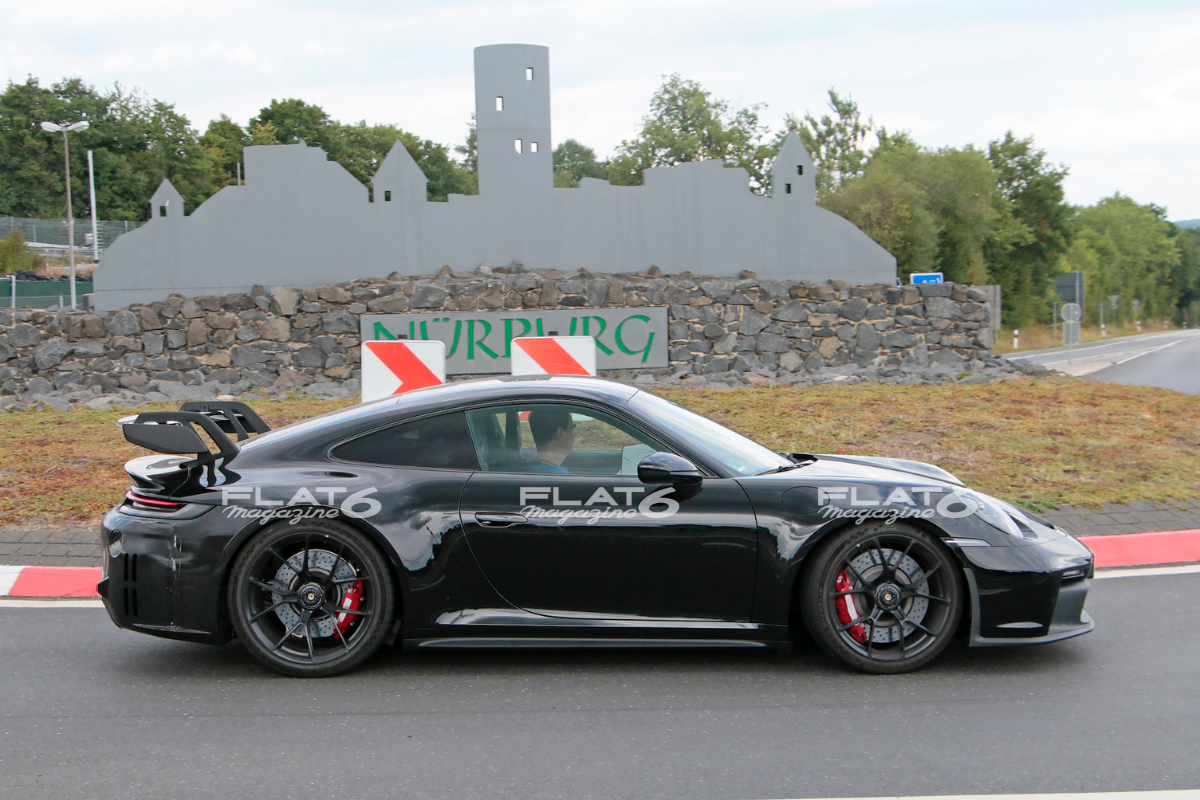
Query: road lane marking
x=1089 y=348
x=1187 y=569
x=1169 y=794
x=1148 y=352
x=10 y=603
x=1079 y=366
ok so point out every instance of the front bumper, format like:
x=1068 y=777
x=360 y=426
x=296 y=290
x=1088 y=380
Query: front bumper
x=1028 y=594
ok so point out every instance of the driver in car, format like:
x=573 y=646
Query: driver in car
x=554 y=434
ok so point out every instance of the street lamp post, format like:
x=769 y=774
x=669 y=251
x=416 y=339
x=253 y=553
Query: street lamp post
x=65 y=130
x=92 y=194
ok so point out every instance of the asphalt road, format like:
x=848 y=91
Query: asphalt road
x=88 y=711
x=1169 y=360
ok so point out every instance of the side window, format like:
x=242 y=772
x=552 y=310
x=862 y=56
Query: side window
x=440 y=442
x=554 y=438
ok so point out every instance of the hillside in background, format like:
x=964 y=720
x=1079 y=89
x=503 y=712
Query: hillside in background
x=1188 y=223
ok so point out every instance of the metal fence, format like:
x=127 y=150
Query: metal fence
x=62 y=300
x=49 y=236
x=41 y=294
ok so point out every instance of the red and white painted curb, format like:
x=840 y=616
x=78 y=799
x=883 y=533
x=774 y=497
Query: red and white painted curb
x=1137 y=549
x=1123 y=550
x=390 y=368
x=49 y=581
x=554 y=355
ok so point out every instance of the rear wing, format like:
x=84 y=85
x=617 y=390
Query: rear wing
x=231 y=417
x=173 y=432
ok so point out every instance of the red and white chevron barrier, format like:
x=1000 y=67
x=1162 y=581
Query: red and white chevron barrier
x=390 y=368
x=554 y=355
x=49 y=581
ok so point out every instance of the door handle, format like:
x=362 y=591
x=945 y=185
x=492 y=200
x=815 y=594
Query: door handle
x=499 y=520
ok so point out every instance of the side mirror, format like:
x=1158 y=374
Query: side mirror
x=667 y=468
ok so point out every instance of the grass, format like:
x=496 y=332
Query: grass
x=65 y=468
x=1035 y=443
x=1045 y=337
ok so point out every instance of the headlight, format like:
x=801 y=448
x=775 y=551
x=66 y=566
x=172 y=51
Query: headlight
x=993 y=512
x=1010 y=519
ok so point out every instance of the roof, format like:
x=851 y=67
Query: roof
x=434 y=398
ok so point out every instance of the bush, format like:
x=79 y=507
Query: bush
x=14 y=255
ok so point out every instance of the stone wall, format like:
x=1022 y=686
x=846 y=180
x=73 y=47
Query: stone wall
x=308 y=340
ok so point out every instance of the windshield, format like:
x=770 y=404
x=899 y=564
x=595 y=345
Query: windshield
x=716 y=443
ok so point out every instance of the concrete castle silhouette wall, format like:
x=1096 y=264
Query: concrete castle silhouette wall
x=302 y=220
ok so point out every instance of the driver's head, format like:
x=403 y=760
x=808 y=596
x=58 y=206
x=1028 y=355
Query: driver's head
x=553 y=431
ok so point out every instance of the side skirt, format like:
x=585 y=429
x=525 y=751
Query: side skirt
x=581 y=619
x=536 y=642
x=493 y=628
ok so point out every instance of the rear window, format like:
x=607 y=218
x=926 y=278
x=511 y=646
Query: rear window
x=441 y=442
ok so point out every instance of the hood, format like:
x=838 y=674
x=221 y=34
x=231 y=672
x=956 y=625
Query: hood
x=918 y=468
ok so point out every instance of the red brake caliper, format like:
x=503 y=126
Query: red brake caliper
x=847 y=609
x=350 y=602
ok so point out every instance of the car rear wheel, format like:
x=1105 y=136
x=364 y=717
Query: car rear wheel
x=311 y=600
x=883 y=598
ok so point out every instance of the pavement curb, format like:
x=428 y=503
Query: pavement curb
x=1138 y=549
x=49 y=581
x=1113 y=550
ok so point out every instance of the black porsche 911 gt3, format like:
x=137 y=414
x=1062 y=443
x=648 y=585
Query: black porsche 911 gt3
x=561 y=512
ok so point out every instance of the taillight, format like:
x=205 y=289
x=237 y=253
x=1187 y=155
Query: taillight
x=143 y=503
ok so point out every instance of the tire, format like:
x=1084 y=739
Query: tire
x=311 y=600
x=883 y=598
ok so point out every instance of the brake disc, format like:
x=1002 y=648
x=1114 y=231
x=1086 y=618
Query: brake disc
x=885 y=630
x=287 y=575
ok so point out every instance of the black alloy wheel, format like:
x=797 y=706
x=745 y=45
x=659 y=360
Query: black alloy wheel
x=884 y=598
x=311 y=600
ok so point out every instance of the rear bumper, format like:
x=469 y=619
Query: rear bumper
x=145 y=587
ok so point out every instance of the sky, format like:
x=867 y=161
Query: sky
x=1109 y=89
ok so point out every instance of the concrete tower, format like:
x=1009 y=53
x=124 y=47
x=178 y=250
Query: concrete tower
x=512 y=119
x=793 y=176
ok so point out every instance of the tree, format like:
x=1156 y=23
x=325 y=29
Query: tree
x=1185 y=278
x=894 y=211
x=446 y=177
x=263 y=133
x=137 y=142
x=687 y=124
x=933 y=209
x=359 y=147
x=225 y=140
x=838 y=147
x=1129 y=250
x=469 y=150
x=1034 y=188
x=294 y=121
x=573 y=162
x=15 y=255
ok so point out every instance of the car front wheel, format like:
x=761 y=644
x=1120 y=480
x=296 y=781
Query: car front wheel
x=883 y=598
x=311 y=600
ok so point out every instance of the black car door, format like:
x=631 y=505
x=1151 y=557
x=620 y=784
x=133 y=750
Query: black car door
x=586 y=536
